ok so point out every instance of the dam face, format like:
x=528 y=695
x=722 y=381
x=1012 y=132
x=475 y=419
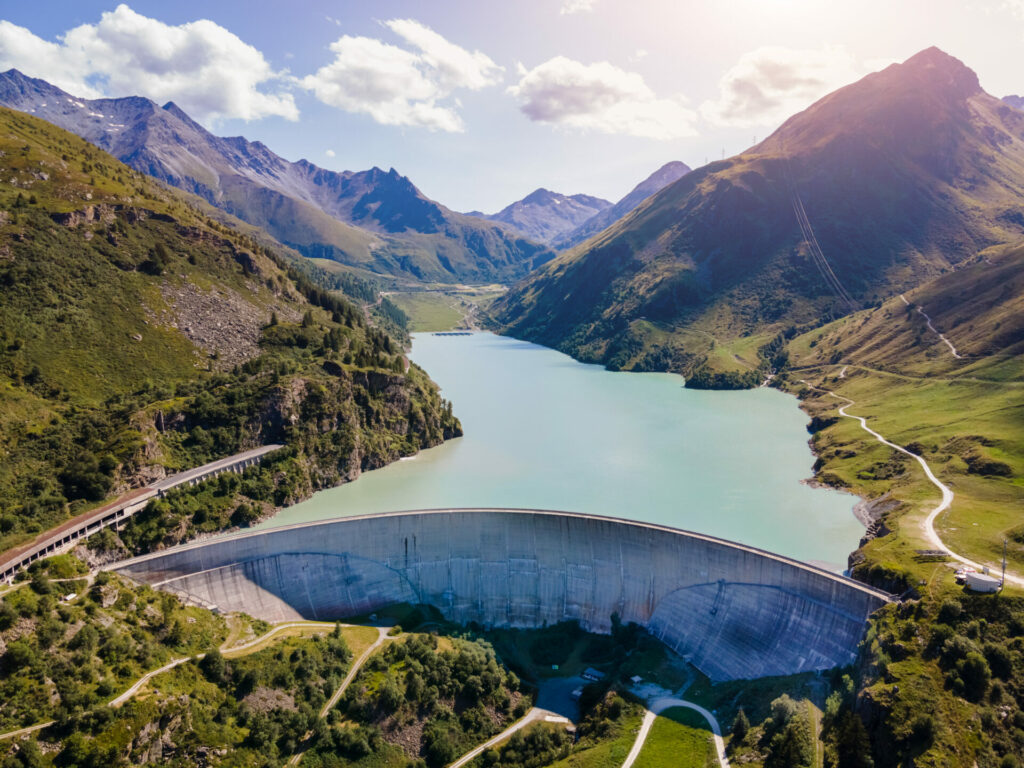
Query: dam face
x=731 y=610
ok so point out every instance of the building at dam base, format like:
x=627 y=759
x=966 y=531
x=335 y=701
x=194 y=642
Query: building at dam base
x=733 y=611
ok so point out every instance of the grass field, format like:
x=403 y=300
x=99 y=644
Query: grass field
x=608 y=752
x=679 y=738
x=965 y=417
x=429 y=311
x=445 y=309
x=952 y=424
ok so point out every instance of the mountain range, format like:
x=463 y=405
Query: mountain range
x=871 y=190
x=376 y=221
x=562 y=221
x=661 y=178
x=545 y=216
x=1017 y=102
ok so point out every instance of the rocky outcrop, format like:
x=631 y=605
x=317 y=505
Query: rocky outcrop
x=90 y=214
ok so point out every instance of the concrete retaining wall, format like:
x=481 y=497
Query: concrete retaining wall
x=734 y=611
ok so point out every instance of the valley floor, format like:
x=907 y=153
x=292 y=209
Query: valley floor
x=445 y=309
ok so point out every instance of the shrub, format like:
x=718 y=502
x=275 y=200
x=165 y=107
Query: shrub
x=740 y=727
x=974 y=671
x=950 y=611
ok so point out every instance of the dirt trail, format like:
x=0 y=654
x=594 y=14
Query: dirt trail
x=928 y=320
x=138 y=684
x=382 y=636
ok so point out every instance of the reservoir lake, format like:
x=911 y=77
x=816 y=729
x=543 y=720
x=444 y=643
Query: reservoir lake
x=543 y=431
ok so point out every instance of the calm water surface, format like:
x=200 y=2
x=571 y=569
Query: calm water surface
x=544 y=431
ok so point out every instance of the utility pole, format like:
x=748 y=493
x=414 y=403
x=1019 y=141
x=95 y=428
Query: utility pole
x=1002 y=582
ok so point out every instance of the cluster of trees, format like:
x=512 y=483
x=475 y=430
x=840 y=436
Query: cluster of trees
x=704 y=378
x=305 y=673
x=458 y=697
x=785 y=739
x=964 y=655
x=228 y=500
x=121 y=631
x=935 y=668
x=535 y=746
x=88 y=439
x=255 y=708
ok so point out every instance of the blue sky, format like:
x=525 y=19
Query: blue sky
x=482 y=102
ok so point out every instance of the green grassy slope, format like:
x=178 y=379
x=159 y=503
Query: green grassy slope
x=137 y=336
x=924 y=698
x=964 y=415
x=902 y=174
x=679 y=738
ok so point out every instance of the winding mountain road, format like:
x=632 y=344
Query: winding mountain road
x=934 y=330
x=928 y=524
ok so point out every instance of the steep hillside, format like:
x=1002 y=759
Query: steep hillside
x=979 y=309
x=870 y=191
x=960 y=406
x=546 y=216
x=1017 y=102
x=375 y=220
x=139 y=337
x=657 y=181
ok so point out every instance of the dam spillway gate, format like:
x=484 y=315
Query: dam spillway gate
x=731 y=610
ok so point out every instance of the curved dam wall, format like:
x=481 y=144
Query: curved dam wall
x=731 y=610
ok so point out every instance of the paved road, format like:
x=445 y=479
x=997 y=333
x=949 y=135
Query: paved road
x=172 y=481
x=928 y=525
x=84 y=520
x=324 y=625
x=656 y=707
x=532 y=716
x=79 y=526
x=137 y=685
x=25 y=731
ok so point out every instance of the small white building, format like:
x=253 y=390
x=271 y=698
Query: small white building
x=983 y=582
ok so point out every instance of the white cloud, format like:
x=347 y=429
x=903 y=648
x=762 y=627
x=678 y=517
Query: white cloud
x=576 y=6
x=769 y=84
x=329 y=153
x=204 y=68
x=398 y=86
x=599 y=97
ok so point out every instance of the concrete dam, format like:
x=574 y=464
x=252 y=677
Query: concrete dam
x=731 y=610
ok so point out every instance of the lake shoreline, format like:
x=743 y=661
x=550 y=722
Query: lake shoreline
x=543 y=431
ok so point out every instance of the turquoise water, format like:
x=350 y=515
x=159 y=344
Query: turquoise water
x=544 y=431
